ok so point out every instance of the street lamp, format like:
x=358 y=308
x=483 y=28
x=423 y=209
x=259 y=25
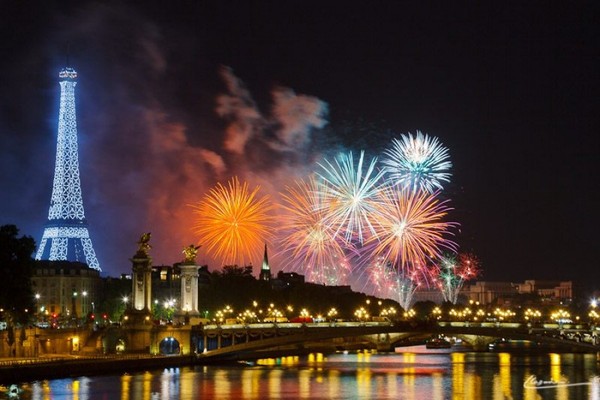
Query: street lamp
x=84 y=308
x=532 y=314
x=361 y=314
x=74 y=304
x=332 y=314
x=37 y=306
x=561 y=316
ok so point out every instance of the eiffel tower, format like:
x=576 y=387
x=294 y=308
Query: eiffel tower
x=66 y=235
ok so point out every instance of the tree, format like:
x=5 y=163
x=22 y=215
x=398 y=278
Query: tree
x=16 y=266
x=110 y=302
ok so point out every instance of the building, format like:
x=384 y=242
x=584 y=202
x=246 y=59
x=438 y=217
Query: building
x=65 y=288
x=166 y=282
x=548 y=292
x=486 y=292
x=287 y=280
x=434 y=295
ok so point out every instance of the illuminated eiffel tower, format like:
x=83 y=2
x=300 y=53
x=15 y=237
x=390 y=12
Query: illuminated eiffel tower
x=66 y=236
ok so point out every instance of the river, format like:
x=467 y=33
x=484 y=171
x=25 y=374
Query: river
x=362 y=375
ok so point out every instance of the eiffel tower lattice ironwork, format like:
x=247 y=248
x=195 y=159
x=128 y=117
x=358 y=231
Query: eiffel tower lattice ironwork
x=66 y=235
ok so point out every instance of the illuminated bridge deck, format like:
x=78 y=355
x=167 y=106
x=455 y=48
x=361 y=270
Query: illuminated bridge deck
x=245 y=340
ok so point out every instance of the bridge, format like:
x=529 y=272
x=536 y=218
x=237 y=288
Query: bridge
x=250 y=341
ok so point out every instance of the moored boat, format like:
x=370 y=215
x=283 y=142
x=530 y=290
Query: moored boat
x=438 y=343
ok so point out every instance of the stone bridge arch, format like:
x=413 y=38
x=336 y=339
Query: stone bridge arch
x=146 y=339
x=389 y=340
x=171 y=340
x=115 y=341
x=382 y=336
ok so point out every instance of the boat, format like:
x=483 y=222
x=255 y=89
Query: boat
x=435 y=346
x=438 y=343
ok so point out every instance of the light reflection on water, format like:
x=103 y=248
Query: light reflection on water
x=363 y=375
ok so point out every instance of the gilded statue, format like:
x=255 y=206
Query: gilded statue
x=144 y=243
x=190 y=253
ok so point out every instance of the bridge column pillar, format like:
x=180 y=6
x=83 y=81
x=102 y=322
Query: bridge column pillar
x=383 y=342
x=189 y=288
x=142 y=282
x=479 y=343
x=219 y=340
x=139 y=312
x=205 y=340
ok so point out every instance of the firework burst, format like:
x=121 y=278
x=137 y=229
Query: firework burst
x=419 y=162
x=349 y=192
x=393 y=283
x=233 y=223
x=452 y=273
x=381 y=277
x=308 y=239
x=405 y=285
x=409 y=228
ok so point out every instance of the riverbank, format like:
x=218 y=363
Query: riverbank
x=30 y=369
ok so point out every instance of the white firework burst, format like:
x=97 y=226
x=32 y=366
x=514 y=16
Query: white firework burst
x=418 y=162
x=350 y=194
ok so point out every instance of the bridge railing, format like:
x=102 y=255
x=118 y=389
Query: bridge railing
x=514 y=325
x=538 y=328
x=292 y=325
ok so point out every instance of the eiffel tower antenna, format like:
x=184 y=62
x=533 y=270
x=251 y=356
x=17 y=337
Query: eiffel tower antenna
x=66 y=235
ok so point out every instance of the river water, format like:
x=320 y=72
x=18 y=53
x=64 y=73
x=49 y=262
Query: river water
x=362 y=375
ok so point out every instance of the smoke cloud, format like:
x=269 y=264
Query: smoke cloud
x=155 y=135
x=296 y=116
x=148 y=160
x=239 y=108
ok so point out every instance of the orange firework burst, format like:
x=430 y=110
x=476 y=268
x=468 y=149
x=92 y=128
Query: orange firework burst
x=310 y=241
x=233 y=223
x=409 y=228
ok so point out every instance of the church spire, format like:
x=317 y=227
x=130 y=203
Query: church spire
x=265 y=271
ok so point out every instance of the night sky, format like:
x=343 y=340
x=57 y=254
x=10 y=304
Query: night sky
x=511 y=88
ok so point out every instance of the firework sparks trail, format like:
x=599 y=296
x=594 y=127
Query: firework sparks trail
x=396 y=284
x=381 y=278
x=405 y=286
x=233 y=223
x=334 y=275
x=349 y=192
x=453 y=272
x=409 y=228
x=309 y=240
x=419 y=162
